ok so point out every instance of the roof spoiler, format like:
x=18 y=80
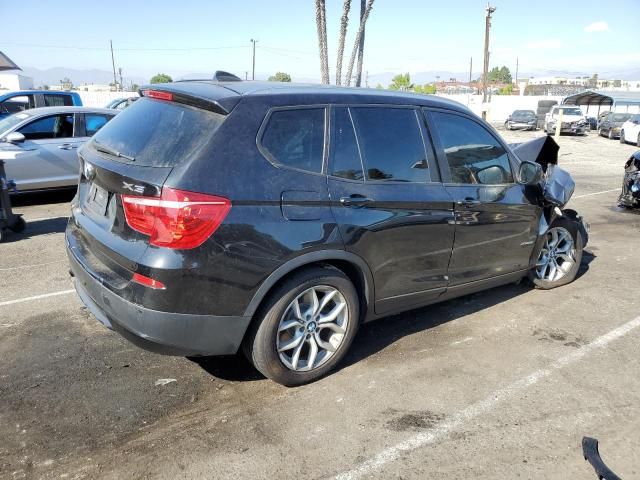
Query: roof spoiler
x=222 y=76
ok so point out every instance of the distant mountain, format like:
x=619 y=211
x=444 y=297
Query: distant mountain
x=52 y=76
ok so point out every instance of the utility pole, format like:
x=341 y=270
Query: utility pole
x=253 y=71
x=517 y=67
x=485 y=73
x=470 y=71
x=113 y=64
x=120 y=73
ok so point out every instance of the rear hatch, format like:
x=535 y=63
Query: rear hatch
x=122 y=173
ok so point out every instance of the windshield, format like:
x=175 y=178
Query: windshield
x=570 y=111
x=620 y=117
x=7 y=123
x=523 y=114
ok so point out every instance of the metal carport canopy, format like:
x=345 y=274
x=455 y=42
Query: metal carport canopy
x=603 y=97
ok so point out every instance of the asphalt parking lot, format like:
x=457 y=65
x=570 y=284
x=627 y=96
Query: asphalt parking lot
x=500 y=384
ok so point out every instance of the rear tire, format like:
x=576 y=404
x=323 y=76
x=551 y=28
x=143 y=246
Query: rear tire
x=560 y=257
x=638 y=141
x=622 y=140
x=280 y=324
x=610 y=134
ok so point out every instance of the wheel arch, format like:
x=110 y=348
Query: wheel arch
x=350 y=264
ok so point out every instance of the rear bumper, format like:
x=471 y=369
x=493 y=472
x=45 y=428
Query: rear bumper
x=160 y=332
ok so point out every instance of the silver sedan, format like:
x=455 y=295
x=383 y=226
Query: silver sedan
x=40 y=145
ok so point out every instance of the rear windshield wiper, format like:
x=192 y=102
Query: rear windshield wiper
x=115 y=153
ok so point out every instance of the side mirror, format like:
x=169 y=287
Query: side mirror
x=14 y=137
x=529 y=173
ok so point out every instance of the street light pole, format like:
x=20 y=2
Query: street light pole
x=113 y=64
x=253 y=71
x=485 y=73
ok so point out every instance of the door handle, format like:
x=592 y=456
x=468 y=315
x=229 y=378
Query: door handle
x=66 y=146
x=469 y=202
x=355 y=201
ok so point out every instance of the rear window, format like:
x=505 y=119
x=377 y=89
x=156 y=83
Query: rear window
x=157 y=133
x=57 y=100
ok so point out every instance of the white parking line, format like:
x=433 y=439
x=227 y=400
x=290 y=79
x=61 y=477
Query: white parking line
x=597 y=193
x=36 y=297
x=461 y=417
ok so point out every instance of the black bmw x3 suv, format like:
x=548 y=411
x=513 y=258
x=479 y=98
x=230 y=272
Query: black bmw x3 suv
x=218 y=216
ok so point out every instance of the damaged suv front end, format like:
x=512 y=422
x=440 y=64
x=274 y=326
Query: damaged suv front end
x=630 y=196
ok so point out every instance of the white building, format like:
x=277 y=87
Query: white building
x=15 y=81
x=91 y=87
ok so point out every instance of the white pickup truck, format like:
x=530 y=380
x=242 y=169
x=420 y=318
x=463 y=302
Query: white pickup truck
x=573 y=120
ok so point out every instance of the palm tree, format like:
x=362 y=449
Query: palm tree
x=363 y=6
x=356 y=44
x=321 y=23
x=344 y=22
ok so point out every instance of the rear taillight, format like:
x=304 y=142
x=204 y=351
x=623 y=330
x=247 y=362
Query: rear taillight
x=178 y=219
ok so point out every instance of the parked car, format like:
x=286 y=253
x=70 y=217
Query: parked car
x=522 y=120
x=630 y=130
x=630 y=196
x=601 y=117
x=612 y=123
x=40 y=146
x=20 y=101
x=572 y=120
x=213 y=217
x=121 y=103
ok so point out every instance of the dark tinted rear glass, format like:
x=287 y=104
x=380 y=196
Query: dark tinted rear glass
x=391 y=144
x=158 y=133
x=295 y=138
x=345 y=154
x=57 y=100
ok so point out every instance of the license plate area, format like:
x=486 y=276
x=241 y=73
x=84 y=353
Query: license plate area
x=97 y=200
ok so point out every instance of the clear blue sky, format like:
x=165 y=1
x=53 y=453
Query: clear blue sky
x=402 y=35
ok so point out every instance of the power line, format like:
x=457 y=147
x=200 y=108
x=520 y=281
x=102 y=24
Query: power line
x=140 y=49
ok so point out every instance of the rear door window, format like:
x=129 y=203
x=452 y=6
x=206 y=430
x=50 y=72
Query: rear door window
x=157 y=133
x=53 y=100
x=295 y=138
x=474 y=155
x=345 y=157
x=391 y=144
x=53 y=126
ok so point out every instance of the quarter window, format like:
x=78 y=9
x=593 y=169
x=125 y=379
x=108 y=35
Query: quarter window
x=346 y=161
x=55 y=126
x=473 y=154
x=391 y=144
x=94 y=122
x=295 y=138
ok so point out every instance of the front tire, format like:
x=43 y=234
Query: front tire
x=610 y=135
x=560 y=256
x=622 y=140
x=638 y=141
x=305 y=327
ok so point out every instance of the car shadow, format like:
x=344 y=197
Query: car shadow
x=37 y=228
x=43 y=198
x=375 y=336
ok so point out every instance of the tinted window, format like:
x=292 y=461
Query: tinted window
x=391 y=144
x=345 y=154
x=295 y=138
x=158 y=133
x=55 y=126
x=473 y=154
x=94 y=122
x=57 y=100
